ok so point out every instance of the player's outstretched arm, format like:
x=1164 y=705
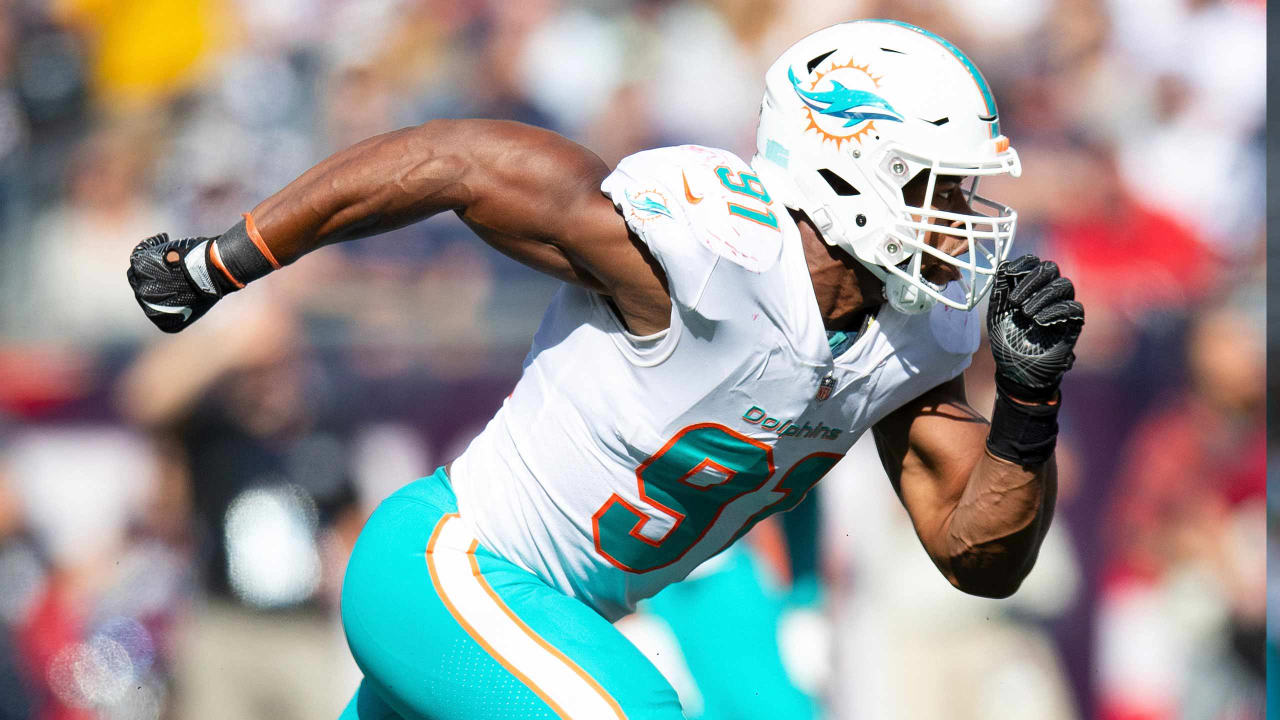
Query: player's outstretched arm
x=981 y=496
x=530 y=193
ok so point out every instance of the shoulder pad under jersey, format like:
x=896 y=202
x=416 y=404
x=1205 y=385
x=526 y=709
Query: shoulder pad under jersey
x=678 y=196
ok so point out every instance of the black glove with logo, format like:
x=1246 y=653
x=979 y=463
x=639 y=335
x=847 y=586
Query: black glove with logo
x=172 y=282
x=1033 y=321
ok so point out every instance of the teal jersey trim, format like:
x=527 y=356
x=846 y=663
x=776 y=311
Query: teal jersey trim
x=839 y=341
x=985 y=89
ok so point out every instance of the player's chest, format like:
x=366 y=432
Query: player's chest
x=773 y=395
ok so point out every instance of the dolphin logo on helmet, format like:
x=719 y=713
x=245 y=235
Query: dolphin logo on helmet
x=855 y=195
x=854 y=106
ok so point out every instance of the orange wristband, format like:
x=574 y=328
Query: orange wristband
x=252 y=229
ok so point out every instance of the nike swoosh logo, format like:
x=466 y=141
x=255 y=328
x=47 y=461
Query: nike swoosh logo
x=688 y=194
x=182 y=310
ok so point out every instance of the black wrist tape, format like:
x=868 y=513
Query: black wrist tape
x=240 y=256
x=1022 y=434
x=1025 y=393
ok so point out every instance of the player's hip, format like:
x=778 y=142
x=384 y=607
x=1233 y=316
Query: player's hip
x=440 y=624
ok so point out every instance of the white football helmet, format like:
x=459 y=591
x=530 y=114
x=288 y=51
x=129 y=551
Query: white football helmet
x=854 y=112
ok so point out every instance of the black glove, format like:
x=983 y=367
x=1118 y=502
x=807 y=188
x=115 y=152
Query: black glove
x=1033 y=321
x=172 y=280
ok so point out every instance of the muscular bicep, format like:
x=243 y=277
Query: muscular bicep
x=535 y=196
x=929 y=448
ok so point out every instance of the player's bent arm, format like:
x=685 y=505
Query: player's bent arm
x=980 y=518
x=532 y=194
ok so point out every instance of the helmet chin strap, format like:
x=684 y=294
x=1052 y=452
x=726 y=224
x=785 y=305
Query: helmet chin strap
x=901 y=295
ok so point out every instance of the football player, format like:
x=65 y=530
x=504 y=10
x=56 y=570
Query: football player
x=725 y=331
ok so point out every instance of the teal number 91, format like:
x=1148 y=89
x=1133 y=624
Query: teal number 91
x=695 y=475
x=745 y=183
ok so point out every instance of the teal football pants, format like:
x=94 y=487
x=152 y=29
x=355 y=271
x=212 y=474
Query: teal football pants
x=443 y=629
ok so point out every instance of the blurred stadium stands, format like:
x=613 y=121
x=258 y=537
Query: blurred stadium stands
x=129 y=582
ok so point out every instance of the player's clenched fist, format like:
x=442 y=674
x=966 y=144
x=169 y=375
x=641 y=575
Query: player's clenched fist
x=1034 y=321
x=172 y=282
x=177 y=281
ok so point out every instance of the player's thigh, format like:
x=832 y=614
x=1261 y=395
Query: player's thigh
x=567 y=645
x=459 y=633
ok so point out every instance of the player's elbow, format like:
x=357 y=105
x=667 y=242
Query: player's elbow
x=991 y=575
x=994 y=588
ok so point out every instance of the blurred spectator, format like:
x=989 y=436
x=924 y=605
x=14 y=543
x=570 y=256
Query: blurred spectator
x=573 y=63
x=703 y=86
x=94 y=593
x=145 y=50
x=265 y=456
x=1183 y=607
x=107 y=210
x=21 y=572
x=1128 y=260
x=1273 y=587
x=14 y=131
x=1199 y=161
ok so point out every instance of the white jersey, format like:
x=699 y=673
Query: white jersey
x=621 y=463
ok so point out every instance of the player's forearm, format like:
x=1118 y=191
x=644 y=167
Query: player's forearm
x=993 y=536
x=377 y=185
x=532 y=194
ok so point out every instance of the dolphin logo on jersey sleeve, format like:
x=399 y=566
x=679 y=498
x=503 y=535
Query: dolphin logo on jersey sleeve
x=651 y=202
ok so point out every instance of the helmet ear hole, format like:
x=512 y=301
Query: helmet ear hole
x=838 y=184
x=913 y=190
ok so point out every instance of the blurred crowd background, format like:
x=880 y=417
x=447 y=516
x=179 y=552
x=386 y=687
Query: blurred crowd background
x=175 y=511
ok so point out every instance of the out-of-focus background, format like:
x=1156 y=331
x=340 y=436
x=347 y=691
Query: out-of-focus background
x=175 y=511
